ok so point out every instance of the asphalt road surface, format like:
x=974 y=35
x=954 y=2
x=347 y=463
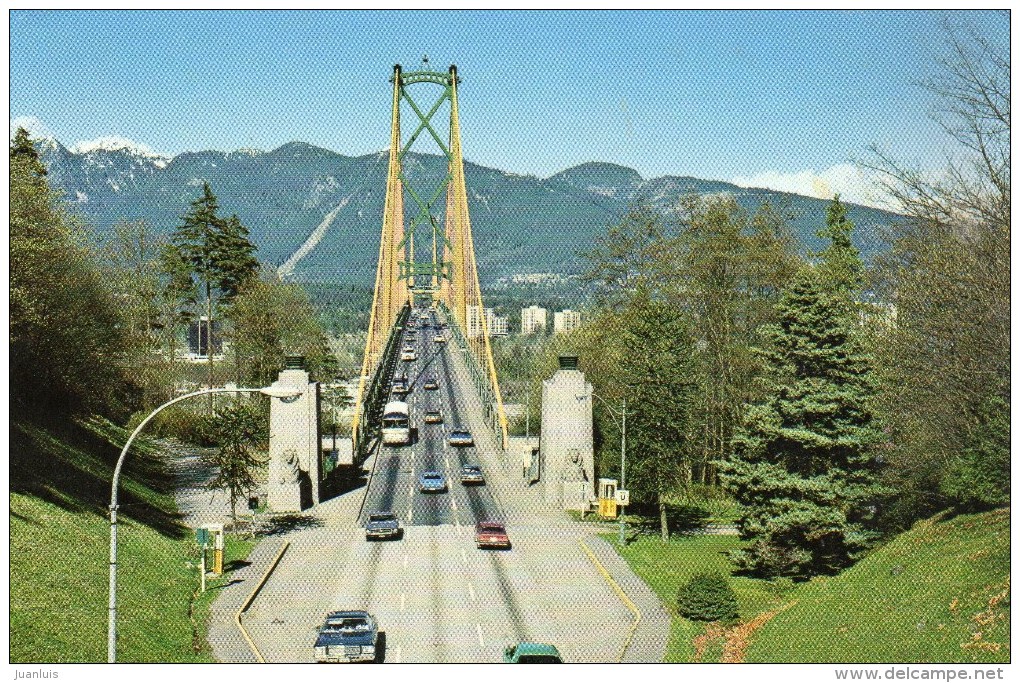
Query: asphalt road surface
x=437 y=597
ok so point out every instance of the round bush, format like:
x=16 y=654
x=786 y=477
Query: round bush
x=708 y=597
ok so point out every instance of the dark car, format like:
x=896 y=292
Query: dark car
x=350 y=636
x=532 y=653
x=461 y=437
x=491 y=535
x=432 y=482
x=431 y=383
x=471 y=474
x=382 y=525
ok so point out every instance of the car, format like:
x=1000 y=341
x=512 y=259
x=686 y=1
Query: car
x=408 y=354
x=431 y=383
x=471 y=474
x=491 y=535
x=347 y=636
x=432 y=482
x=439 y=339
x=433 y=417
x=381 y=525
x=400 y=386
x=532 y=653
x=461 y=437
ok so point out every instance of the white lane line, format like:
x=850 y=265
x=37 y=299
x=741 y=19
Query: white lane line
x=453 y=503
x=396 y=656
x=403 y=601
x=481 y=641
x=410 y=514
x=412 y=473
x=471 y=591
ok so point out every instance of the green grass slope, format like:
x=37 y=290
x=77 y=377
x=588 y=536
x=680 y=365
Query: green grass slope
x=938 y=593
x=59 y=549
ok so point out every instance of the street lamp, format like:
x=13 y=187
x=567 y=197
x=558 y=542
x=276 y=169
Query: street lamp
x=275 y=392
x=622 y=424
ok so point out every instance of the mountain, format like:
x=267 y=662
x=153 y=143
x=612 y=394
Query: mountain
x=318 y=214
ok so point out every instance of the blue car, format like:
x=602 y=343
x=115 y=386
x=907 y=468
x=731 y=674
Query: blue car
x=432 y=482
x=350 y=636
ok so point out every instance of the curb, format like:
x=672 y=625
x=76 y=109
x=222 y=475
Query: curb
x=251 y=599
x=619 y=591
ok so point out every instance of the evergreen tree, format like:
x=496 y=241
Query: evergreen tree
x=237 y=431
x=23 y=149
x=840 y=265
x=802 y=466
x=218 y=255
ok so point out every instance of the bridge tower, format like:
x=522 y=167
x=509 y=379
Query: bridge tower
x=448 y=275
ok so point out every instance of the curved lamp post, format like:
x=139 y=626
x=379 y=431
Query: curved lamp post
x=276 y=392
x=622 y=424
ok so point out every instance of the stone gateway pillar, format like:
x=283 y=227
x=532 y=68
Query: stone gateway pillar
x=566 y=445
x=295 y=469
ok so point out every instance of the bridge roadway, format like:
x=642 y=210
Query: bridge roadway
x=437 y=598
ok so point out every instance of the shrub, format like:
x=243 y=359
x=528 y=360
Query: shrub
x=708 y=597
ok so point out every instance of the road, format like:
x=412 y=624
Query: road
x=436 y=596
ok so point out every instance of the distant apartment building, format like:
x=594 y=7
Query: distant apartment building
x=498 y=325
x=566 y=321
x=533 y=319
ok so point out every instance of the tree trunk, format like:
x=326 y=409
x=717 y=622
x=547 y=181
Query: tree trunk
x=208 y=339
x=663 y=524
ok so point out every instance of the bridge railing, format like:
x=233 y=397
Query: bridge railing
x=478 y=376
x=379 y=389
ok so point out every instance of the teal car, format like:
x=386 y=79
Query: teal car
x=532 y=653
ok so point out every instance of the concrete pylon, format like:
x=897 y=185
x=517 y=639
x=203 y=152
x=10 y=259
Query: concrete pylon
x=566 y=446
x=295 y=469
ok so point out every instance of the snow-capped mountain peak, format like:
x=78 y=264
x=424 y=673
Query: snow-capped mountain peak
x=114 y=143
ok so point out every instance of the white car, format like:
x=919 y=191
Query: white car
x=408 y=354
x=439 y=339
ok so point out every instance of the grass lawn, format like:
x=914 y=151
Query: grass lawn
x=59 y=543
x=665 y=566
x=937 y=593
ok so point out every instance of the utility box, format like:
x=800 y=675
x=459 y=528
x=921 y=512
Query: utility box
x=216 y=532
x=607 y=498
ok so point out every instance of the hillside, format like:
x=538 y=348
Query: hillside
x=299 y=194
x=59 y=552
x=936 y=593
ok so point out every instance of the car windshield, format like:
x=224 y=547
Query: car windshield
x=350 y=624
x=471 y=468
x=382 y=517
x=492 y=528
x=432 y=476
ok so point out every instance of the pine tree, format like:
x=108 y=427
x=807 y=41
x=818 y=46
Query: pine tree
x=24 y=149
x=840 y=266
x=803 y=467
x=217 y=253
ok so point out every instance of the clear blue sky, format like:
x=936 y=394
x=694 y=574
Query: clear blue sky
x=718 y=95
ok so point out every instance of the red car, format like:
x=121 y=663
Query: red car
x=491 y=535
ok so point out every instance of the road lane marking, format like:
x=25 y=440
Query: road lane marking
x=481 y=641
x=453 y=503
x=396 y=656
x=403 y=601
x=405 y=560
x=471 y=591
x=619 y=592
x=410 y=514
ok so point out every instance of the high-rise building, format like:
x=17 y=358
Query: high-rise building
x=533 y=319
x=565 y=321
x=497 y=325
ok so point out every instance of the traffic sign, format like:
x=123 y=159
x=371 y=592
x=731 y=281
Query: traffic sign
x=622 y=497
